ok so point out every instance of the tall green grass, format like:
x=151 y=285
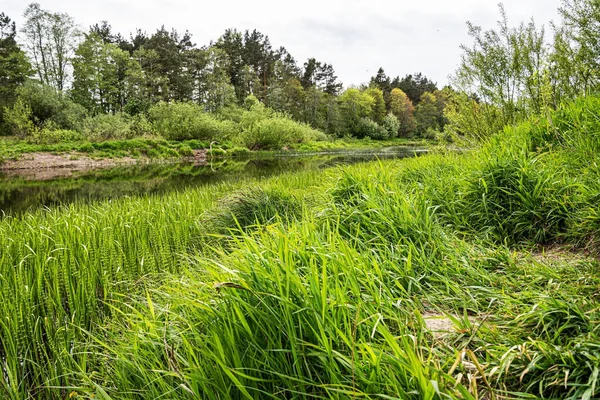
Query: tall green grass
x=326 y=284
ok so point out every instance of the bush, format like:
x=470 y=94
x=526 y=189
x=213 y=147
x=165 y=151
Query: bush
x=391 y=125
x=108 y=126
x=183 y=121
x=49 y=108
x=256 y=112
x=19 y=119
x=47 y=136
x=239 y=152
x=276 y=132
x=430 y=134
x=140 y=126
x=371 y=129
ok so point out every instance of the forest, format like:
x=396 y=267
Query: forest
x=65 y=84
x=469 y=271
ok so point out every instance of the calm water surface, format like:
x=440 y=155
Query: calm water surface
x=30 y=190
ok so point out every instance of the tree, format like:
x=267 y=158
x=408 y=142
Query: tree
x=145 y=82
x=232 y=44
x=45 y=107
x=327 y=80
x=575 y=61
x=99 y=71
x=172 y=62
x=321 y=75
x=382 y=82
x=51 y=39
x=355 y=105
x=414 y=86
x=504 y=68
x=213 y=88
x=14 y=65
x=427 y=115
x=379 y=109
x=403 y=109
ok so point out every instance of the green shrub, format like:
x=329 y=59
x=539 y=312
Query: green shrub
x=391 y=125
x=255 y=113
x=430 y=134
x=48 y=136
x=140 y=126
x=49 y=108
x=371 y=129
x=19 y=119
x=183 y=121
x=239 y=152
x=276 y=132
x=185 y=150
x=108 y=126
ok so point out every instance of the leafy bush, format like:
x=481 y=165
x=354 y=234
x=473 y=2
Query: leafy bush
x=430 y=134
x=276 y=132
x=47 y=136
x=255 y=113
x=391 y=125
x=47 y=108
x=19 y=119
x=371 y=129
x=239 y=152
x=182 y=121
x=140 y=126
x=108 y=126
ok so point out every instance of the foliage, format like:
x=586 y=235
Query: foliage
x=574 y=62
x=46 y=108
x=330 y=286
x=51 y=39
x=426 y=114
x=182 y=121
x=354 y=106
x=14 y=66
x=19 y=119
x=414 y=86
x=99 y=71
x=252 y=208
x=505 y=68
x=108 y=126
x=378 y=111
x=367 y=128
x=276 y=132
x=403 y=109
x=392 y=125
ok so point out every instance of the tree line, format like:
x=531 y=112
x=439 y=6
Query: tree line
x=59 y=75
x=59 y=78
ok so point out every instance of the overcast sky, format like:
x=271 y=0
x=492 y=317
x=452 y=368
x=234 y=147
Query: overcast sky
x=356 y=36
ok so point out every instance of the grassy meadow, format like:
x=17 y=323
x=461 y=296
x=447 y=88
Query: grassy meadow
x=448 y=276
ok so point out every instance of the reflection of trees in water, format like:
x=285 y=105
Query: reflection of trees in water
x=18 y=195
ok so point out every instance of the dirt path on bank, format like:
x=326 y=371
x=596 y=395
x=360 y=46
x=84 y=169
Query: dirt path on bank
x=45 y=166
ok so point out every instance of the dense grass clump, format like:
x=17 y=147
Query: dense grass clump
x=519 y=199
x=254 y=207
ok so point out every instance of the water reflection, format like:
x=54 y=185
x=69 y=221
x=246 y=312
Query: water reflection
x=19 y=193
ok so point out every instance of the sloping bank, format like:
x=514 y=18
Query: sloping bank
x=324 y=286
